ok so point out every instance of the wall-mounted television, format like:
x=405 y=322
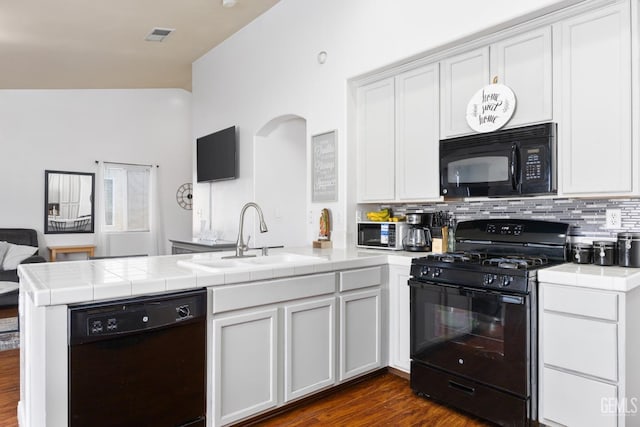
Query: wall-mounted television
x=216 y=158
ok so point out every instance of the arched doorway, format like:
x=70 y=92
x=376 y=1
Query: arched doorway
x=280 y=165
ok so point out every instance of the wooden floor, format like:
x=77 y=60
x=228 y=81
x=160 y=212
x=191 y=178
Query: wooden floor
x=9 y=387
x=385 y=400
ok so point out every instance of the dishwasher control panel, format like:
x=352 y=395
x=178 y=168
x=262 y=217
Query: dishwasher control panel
x=135 y=315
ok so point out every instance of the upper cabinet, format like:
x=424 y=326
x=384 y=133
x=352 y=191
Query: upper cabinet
x=398 y=137
x=595 y=145
x=573 y=67
x=522 y=62
x=462 y=76
x=417 y=115
x=376 y=145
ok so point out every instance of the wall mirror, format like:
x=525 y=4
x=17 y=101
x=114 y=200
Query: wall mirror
x=68 y=202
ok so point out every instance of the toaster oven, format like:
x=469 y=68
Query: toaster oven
x=381 y=235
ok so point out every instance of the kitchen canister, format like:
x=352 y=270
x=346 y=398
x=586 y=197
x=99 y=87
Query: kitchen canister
x=604 y=253
x=629 y=249
x=582 y=253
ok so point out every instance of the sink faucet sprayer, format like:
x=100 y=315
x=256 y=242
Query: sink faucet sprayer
x=240 y=245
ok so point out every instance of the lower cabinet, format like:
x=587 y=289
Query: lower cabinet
x=399 y=330
x=588 y=366
x=245 y=355
x=309 y=350
x=360 y=332
x=574 y=400
x=275 y=341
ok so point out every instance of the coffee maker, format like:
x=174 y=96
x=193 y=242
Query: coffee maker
x=418 y=238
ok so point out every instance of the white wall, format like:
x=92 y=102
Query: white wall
x=269 y=69
x=70 y=129
x=280 y=183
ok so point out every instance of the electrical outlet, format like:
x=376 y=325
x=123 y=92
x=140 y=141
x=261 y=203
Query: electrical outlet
x=613 y=218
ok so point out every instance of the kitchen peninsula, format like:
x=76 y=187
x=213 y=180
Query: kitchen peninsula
x=335 y=294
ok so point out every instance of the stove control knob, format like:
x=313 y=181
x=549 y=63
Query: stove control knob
x=437 y=272
x=183 y=311
x=506 y=280
x=488 y=279
x=424 y=271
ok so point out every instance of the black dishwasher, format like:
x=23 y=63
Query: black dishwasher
x=139 y=362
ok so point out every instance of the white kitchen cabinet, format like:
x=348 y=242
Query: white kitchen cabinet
x=360 y=332
x=462 y=76
x=360 y=321
x=398 y=137
x=309 y=347
x=417 y=134
x=523 y=63
x=245 y=355
x=595 y=145
x=273 y=341
x=588 y=351
x=399 y=330
x=573 y=400
x=375 y=141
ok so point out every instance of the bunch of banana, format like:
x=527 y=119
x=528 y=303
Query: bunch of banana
x=381 y=215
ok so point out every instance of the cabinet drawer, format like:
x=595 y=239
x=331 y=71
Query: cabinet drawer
x=583 y=302
x=362 y=278
x=572 y=400
x=582 y=345
x=235 y=297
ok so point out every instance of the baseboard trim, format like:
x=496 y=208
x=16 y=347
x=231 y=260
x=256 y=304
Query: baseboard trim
x=399 y=373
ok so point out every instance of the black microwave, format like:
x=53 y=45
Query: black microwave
x=505 y=163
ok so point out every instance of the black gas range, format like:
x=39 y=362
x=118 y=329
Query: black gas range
x=474 y=317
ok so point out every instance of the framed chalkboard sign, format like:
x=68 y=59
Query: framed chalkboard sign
x=324 y=161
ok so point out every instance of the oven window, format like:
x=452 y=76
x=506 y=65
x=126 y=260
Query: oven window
x=478 y=328
x=474 y=323
x=480 y=335
x=478 y=170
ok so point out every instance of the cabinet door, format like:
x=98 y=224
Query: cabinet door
x=572 y=400
x=417 y=136
x=376 y=145
x=399 y=336
x=582 y=345
x=245 y=365
x=462 y=76
x=523 y=63
x=360 y=333
x=309 y=354
x=595 y=89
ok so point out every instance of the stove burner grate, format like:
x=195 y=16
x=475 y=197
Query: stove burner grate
x=456 y=257
x=517 y=261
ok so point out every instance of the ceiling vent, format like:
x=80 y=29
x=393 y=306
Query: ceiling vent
x=159 y=34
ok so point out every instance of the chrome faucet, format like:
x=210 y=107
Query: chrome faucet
x=240 y=245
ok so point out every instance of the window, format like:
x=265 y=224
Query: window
x=127 y=197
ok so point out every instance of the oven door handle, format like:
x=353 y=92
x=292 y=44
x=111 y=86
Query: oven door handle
x=503 y=297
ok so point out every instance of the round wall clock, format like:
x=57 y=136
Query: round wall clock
x=184 y=196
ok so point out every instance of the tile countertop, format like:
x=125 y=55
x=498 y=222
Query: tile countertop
x=611 y=278
x=74 y=282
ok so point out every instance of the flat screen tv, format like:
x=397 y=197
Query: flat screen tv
x=216 y=156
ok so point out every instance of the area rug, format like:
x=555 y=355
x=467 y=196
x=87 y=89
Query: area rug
x=9 y=341
x=9 y=335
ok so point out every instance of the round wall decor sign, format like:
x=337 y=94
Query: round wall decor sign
x=491 y=108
